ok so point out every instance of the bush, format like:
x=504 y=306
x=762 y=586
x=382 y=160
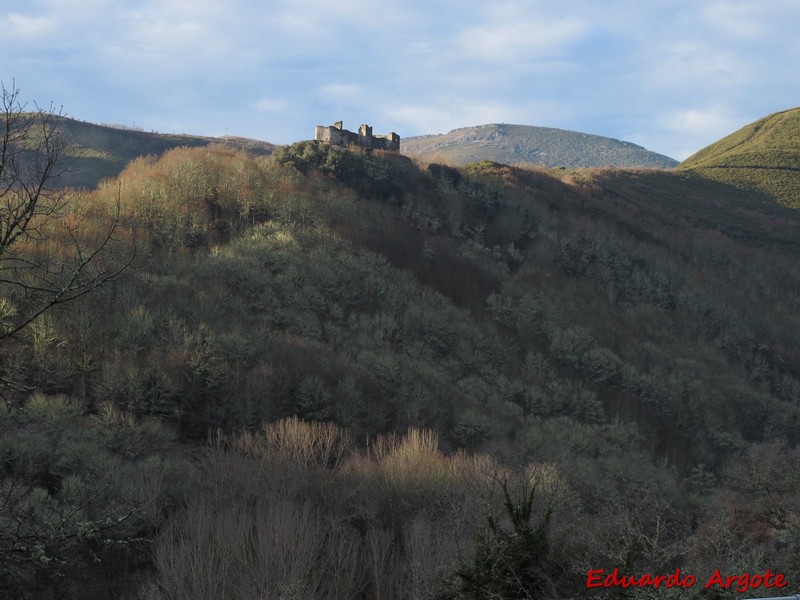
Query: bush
x=81 y=497
x=513 y=562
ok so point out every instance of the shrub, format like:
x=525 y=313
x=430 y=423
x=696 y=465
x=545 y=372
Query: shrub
x=515 y=561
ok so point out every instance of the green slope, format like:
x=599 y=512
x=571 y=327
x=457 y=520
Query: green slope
x=544 y=146
x=763 y=156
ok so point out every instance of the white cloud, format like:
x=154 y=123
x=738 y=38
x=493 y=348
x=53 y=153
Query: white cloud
x=520 y=40
x=342 y=91
x=691 y=129
x=420 y=119
x=678 y=73
x=16 y=25
x=363 y=14
x=270 y=105
x=735 y=18
x=171 y=29
x=756 y=21
x=701 y=120
x=695 y=66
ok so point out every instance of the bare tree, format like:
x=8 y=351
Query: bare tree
x=55 y=246
x=45 y=257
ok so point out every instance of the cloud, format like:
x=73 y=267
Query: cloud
x=520 y=40
x=675 y=73
x=270 y=105
x=173 y=30
x=16 y=25
x=714 y=121
x=420 y=119
x=342 y=91
x=694 y=66
x=743 y=21
x=737 y=19
x=688 y=130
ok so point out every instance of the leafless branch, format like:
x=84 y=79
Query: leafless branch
x=34 y=210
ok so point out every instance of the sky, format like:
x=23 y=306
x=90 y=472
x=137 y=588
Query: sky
x=670 y=75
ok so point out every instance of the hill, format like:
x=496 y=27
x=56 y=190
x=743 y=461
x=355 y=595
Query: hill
x=324 y=369
x=101 y=151
x=763 y=156
x=515 y=144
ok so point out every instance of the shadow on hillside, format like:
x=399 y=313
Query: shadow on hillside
x=682 y=198
x=88 y=172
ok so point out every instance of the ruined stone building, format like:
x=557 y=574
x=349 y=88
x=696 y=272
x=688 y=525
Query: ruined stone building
x=336 y=135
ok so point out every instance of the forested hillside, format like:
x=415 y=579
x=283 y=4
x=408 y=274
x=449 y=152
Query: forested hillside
x=331 y=374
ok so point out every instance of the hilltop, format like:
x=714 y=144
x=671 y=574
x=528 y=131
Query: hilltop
x=102 y=151
x=763 y=156
x=98 y=152
x=543 y=146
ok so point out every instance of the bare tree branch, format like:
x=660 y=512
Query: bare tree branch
x=35 y=212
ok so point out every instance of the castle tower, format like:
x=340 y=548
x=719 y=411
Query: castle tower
x=365 y=136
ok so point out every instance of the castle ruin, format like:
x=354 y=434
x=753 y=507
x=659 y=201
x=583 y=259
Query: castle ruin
x=338 y=136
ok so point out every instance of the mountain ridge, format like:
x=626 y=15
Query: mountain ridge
x=763 y=156
x=529 y=144
x=100 y=151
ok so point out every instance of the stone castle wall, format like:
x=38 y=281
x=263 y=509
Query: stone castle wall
x=335 y=134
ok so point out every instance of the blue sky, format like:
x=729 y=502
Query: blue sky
x=670 y=75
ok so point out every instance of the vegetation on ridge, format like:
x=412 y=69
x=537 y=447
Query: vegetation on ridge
x=97 y=152
x=523 y=144
x=763 y=156
x=425 y=344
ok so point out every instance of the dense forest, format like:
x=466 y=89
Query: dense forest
x=336 y=374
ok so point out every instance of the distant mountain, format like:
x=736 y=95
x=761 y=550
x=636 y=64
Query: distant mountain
x=764 y=155
x=513 y=144
x=97 y=152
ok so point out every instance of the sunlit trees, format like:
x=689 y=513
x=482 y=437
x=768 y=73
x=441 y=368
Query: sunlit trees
x=48 y=256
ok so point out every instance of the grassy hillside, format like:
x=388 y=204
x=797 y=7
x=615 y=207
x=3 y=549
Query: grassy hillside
x=763 y=156
x=334 y=374
x=543 y=146
x=98 y=152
